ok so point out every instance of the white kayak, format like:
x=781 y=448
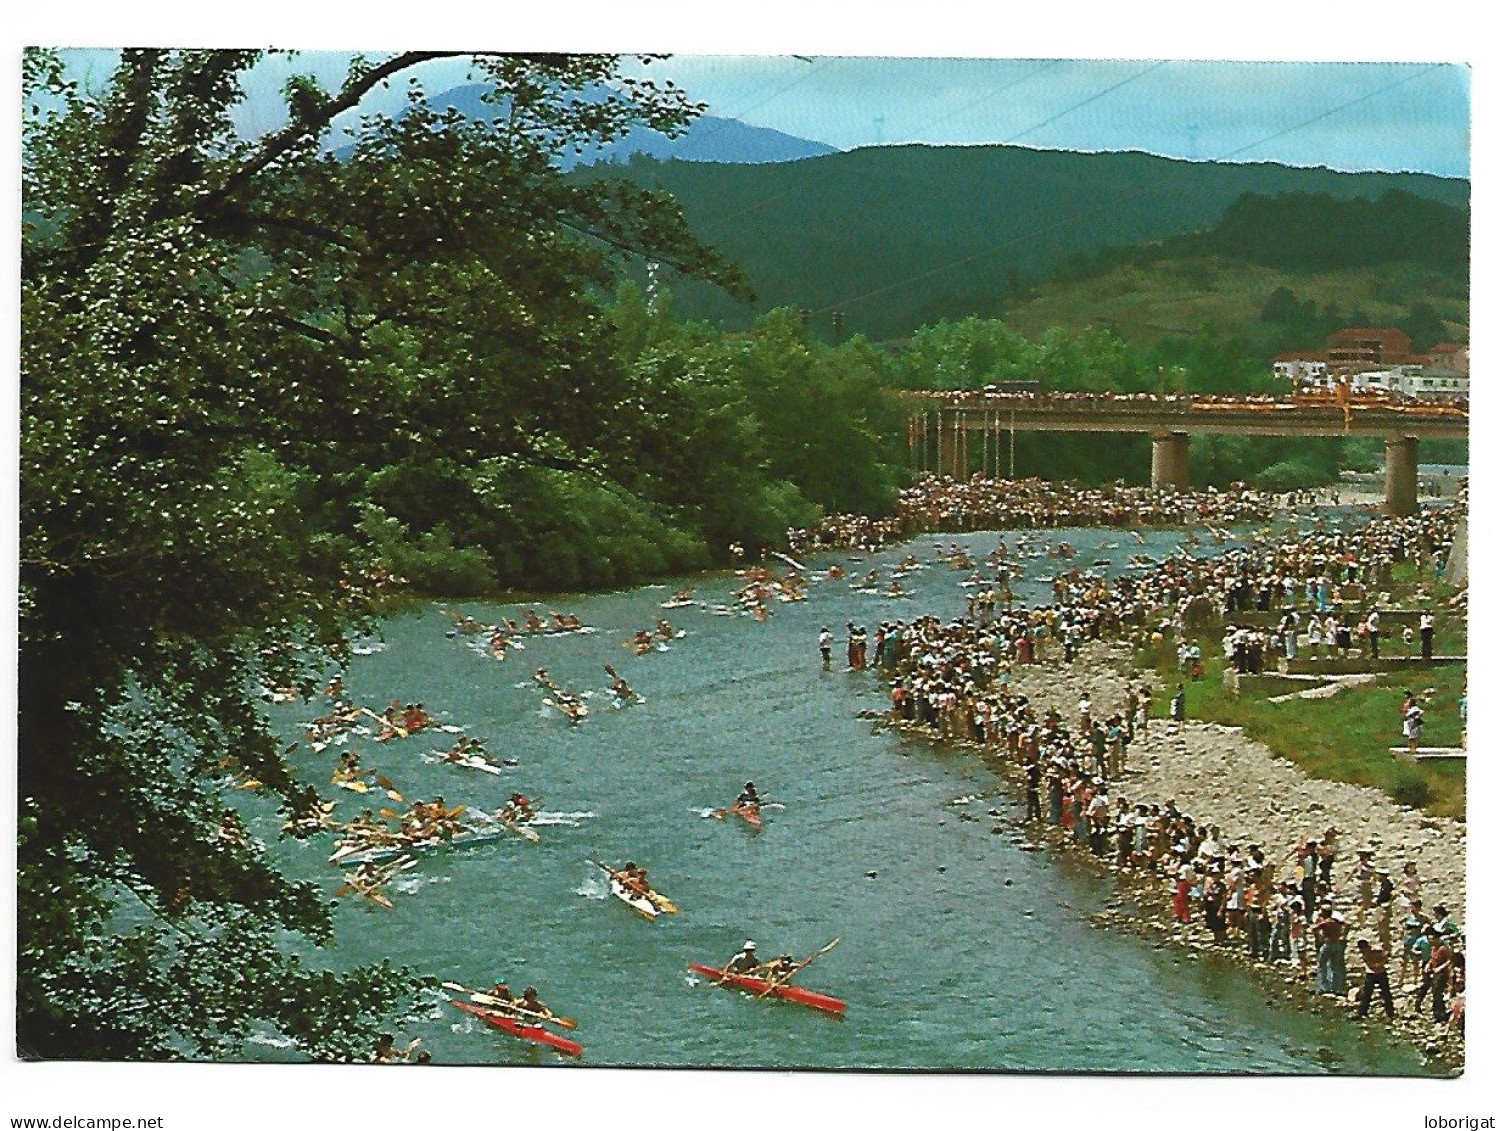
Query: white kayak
x=639 y=903
x=469 y=762
x=521 y=830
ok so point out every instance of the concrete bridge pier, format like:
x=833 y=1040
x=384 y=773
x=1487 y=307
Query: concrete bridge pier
x=1170 y=459
x=1400 y=475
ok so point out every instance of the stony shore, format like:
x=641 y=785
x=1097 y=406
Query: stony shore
x=1225 y=778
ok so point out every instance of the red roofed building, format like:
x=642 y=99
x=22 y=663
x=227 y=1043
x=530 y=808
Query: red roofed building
x=1357 y=349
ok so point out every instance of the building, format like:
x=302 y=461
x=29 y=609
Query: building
x=1450 y=355
x=1377 y=360
x=1438 y=381
x=1301 y=368
x=1356 y=349
x=1412 y=380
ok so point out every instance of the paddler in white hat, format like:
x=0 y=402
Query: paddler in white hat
x=745 y=961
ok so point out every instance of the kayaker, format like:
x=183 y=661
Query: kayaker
x=529 y=1001
x=388 y=1053
x=633 y=878
x=749 y=796
x=781 y=969
x=501 y=992
x=349 y=768
x=619 y=686
x=745 y=961
x=518 y=809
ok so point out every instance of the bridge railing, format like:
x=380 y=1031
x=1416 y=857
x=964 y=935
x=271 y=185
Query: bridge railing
x=1186 y=404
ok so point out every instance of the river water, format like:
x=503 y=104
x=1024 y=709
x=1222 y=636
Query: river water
x=959 y=949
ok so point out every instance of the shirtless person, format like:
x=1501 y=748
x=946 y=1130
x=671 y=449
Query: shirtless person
x=634 y=878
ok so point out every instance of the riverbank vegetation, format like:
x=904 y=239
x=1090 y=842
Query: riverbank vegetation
x=243 y=360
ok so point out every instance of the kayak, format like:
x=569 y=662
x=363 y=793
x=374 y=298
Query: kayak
x=639 y=903
x=354 y=854
x=521 y=1029
x=469 y=762
x=521 y=830
x=758 y=986
x=749 y=814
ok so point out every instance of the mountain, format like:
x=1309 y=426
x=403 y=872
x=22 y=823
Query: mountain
x=709 y=139
x=893 y=237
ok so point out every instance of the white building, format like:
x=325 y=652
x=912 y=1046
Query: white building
x=1301 y=368
x=1429 y=381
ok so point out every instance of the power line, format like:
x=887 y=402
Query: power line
x=988 y=97
x=831 y=172
x=1084 y=102
x=848 y=302
x=805 y=73
x=1334 y=110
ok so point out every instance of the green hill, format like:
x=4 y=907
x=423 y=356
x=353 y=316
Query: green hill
x=894 y=237
x=1279 y=272
x=1185 y=296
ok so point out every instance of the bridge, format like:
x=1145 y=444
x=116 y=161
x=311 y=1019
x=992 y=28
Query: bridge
x=941 y=424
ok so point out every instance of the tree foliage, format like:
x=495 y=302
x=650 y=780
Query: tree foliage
x=242 y=359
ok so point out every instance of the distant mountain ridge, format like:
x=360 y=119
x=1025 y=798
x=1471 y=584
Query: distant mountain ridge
x=708 y=139
x=892 y=237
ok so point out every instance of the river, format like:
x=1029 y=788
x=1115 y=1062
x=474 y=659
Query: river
x=959 y=949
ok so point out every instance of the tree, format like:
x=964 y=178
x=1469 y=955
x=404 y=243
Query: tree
x=225 y=342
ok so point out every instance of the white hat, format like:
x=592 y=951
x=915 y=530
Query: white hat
x=749 y=945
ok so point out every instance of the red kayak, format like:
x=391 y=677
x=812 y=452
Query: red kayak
x=521 y=1029
x=759 y=986
x=750 y=814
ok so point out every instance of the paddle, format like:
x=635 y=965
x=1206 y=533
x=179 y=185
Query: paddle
x=784 y=979
x=371 y=887
x=481 y=997
x=721 y=814
x=386 y=722
x=383 y=781
x=663 y=903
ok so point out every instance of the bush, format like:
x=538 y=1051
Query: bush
x=1290 y=475
x=1414 y=790
x=432 y=563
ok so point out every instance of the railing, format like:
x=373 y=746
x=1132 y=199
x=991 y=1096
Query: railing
x=1160 y=403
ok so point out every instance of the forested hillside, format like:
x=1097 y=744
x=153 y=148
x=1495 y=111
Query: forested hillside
x=894 y=237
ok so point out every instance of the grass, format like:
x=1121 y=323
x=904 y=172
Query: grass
x=1346 y=737
x=1148 y=302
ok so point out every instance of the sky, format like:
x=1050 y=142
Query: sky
x=1350 y=116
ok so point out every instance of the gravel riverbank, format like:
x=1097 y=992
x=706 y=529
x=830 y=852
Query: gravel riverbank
x=1227 y=779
